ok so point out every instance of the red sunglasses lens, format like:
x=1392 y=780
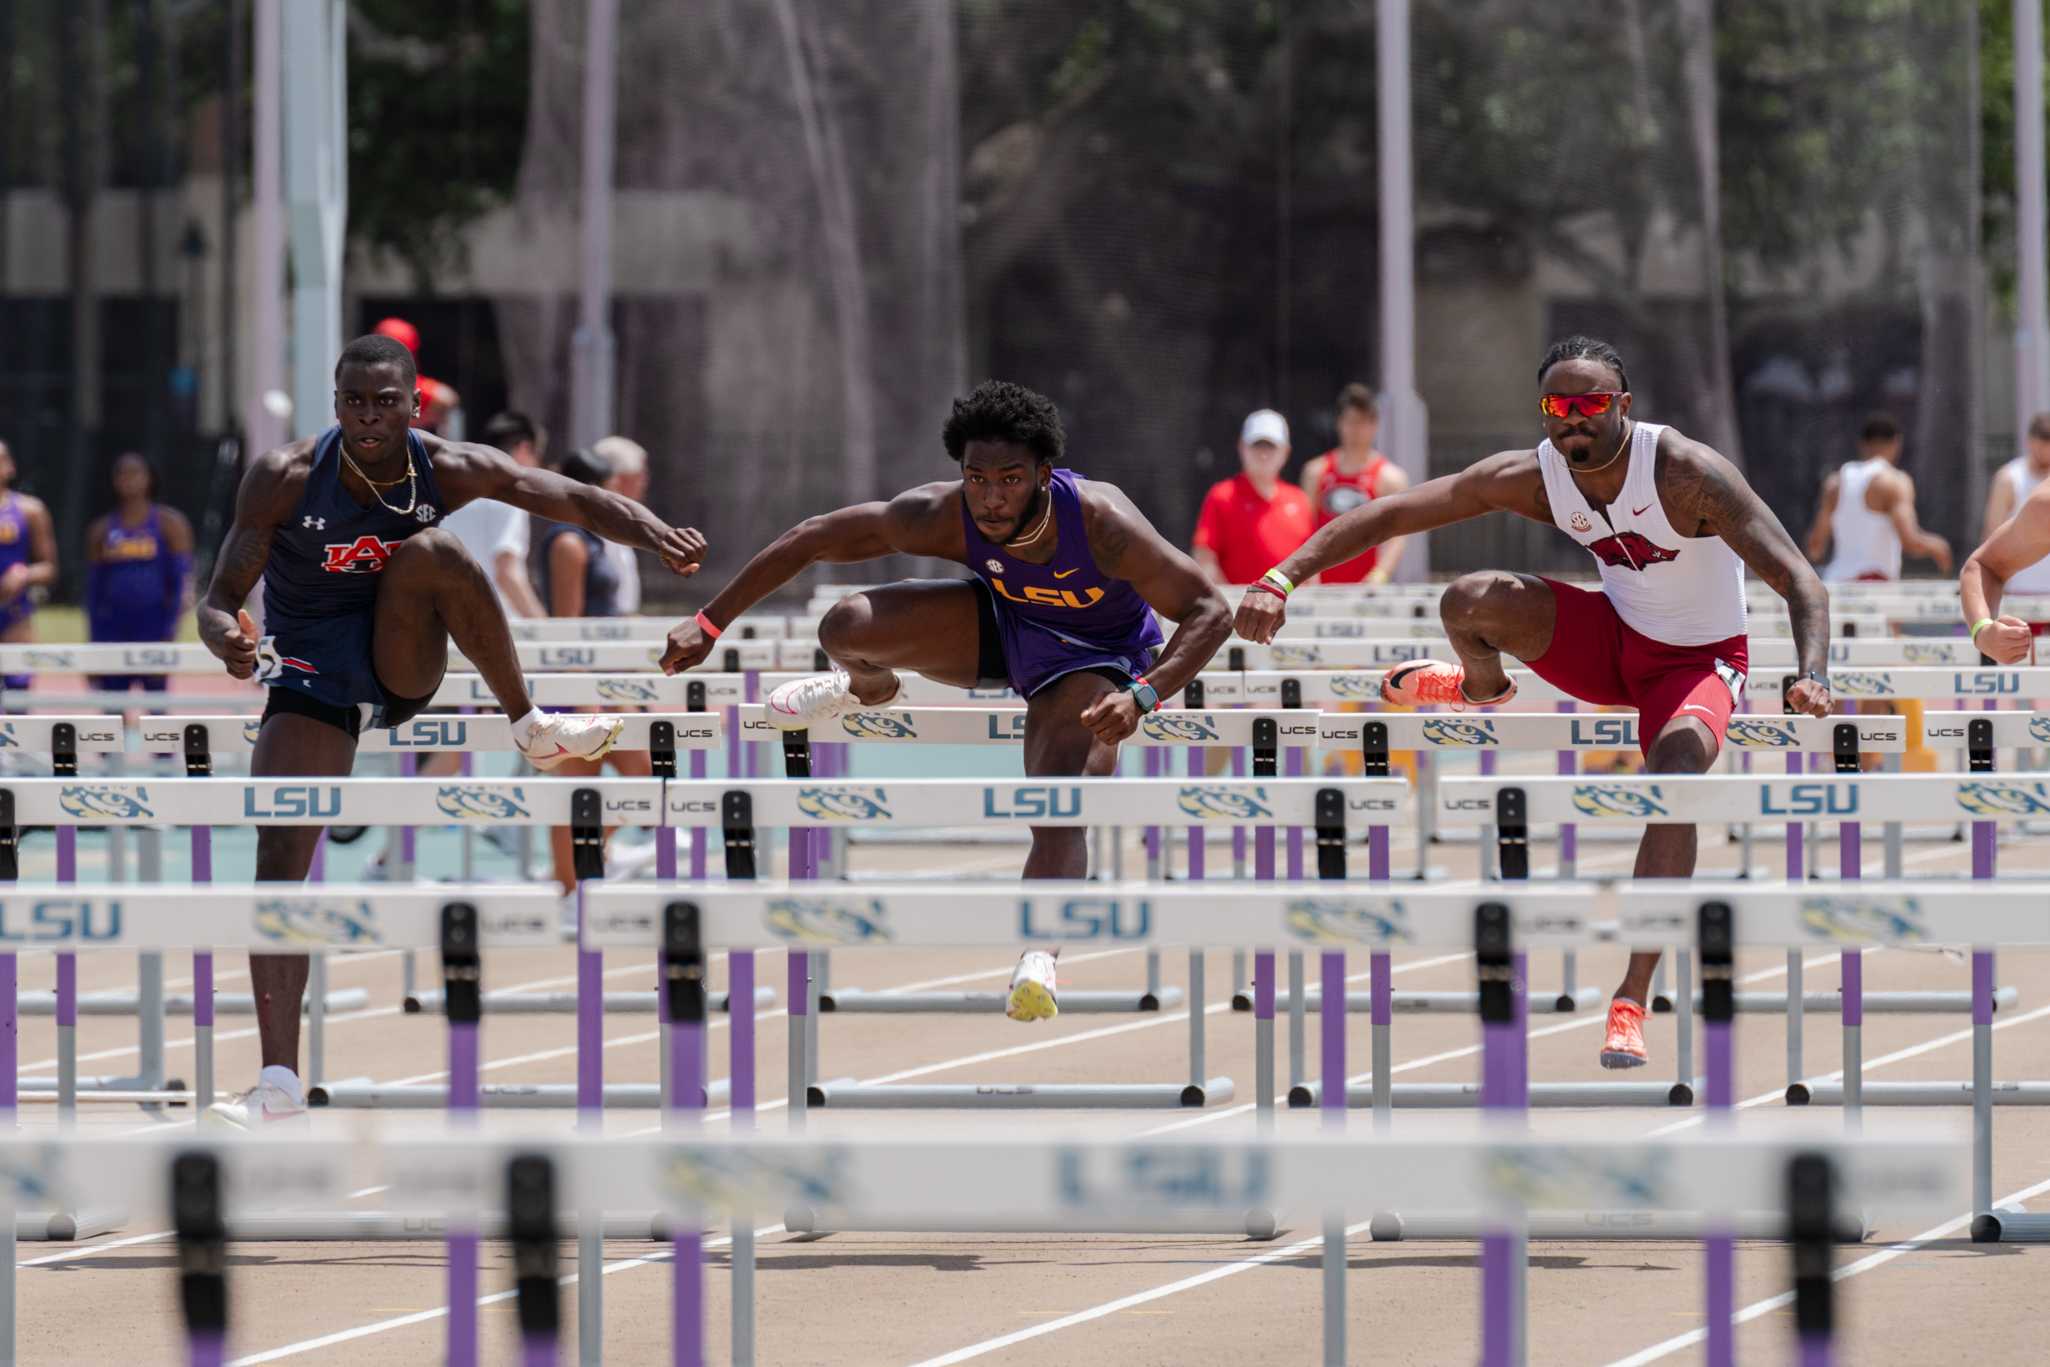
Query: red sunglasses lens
x=1562 y=406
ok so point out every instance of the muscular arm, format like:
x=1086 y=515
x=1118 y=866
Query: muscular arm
x=467 y=471
x=1125 y=546
x=1508 y=481
x=1825 y=518
x=921 y=521
x=1708 y=490
x=1999 y=506
x=1915 y=540
x=269 y=491
x=2015 y=544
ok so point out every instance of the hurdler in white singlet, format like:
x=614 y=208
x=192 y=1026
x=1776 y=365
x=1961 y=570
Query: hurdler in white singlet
x=1682 y=590
x=2032 y=579
x=1865 y=543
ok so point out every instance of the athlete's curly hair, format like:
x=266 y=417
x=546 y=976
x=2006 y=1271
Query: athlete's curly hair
x=1580 y=348
x=998 y=410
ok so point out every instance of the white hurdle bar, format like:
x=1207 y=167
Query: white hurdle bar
x=209 y=1190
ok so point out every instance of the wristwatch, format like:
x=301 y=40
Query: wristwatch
x=1814 y=674
x=1144 y=694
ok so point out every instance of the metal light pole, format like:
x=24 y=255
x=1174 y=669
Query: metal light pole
x=592 y=353
x=2032 y=338
x=1405 y=427
x=317 y=193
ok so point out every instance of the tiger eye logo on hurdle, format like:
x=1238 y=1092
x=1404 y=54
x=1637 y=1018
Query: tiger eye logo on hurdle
x=60 y=920
x=28 y=1173
x=1985 y=681
x=1454 y=731
x=1162 y=726
x=878 y=726
x=2004 y=799
x=1085 y=918
x=711 y=1179
x=1354 y=686
x=7 y=738
x=2039 y=730
x=1854 y=683
x=625 y=690
x=1753 y=734
x=1925 y=653
x=311 y=921
x=844 y=804
x=1156 y=1176
x=1613 y=799
x=251 y=729
x=1363 y=921
x=1864 y=920
x=1213 y=802
x=810 y=922
x=1295 y=656
x=88 y=800
x=51 y=659
x=468 y=802
x=1574 y=1179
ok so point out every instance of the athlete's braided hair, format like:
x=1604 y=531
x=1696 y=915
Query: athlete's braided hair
x=1582 y=348
x=998 y=410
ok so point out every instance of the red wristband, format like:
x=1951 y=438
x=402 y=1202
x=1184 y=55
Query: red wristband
x=705 y=625
x=1265 y=587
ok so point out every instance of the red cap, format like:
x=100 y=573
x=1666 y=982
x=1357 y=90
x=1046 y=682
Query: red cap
x=400 y=331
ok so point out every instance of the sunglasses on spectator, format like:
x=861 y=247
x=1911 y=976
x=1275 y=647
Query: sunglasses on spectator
x=1563 y=406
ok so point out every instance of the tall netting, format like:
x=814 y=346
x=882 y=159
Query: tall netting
x=1771 y=208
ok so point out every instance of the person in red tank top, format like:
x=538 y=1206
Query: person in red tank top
x=1353 y=473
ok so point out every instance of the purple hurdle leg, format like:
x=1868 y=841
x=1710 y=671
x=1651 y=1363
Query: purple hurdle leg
x=1295 y=766
x=1503 y=1090
x=1238 y=833
x=697 y=833
x=1156 y=767
x=67 y=993
x=1331 y=1023
x=207 y=1350
x=1263 y=1035
x=202 y=984
x=687 y=1089
x=1849 y=868
x=1197 y=854
x=463 y=1103
x=590 y=1026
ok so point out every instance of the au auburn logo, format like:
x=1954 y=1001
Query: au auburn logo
x=364 y=555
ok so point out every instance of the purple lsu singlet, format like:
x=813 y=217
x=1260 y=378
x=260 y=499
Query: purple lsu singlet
x=1067 y=615
x=14 y=550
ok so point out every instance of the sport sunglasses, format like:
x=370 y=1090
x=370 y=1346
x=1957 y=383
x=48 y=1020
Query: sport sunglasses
x=1563 y=406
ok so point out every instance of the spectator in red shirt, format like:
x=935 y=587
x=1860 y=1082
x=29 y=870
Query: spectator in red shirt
x=1254 y=520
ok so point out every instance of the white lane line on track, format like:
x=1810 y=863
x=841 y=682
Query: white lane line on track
x=1138 y=1298
x=1866 y=1264
x=441 y=1311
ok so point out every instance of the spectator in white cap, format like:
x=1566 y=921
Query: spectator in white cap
x=1254 y=520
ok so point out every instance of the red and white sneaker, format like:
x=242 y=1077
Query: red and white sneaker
x=1034 y=993
x=803 y=703
x=558 y=736
x=1624 y=1045
x=1433 y=683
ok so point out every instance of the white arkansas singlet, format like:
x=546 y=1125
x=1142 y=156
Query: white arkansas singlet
x=1684 y=591
x=1865 y=544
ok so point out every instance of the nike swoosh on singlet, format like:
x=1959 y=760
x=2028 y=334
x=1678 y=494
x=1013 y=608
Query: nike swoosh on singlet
x=1639 y=512
x=1063 y=574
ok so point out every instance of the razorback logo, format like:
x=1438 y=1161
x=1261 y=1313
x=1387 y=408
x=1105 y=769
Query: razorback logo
x=364 y=555
x=1629 y=551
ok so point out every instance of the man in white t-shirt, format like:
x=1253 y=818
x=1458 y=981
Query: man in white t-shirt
x=494 y=533
x=629 y=461
x=2012 y=485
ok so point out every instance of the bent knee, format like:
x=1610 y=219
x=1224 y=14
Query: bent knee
x=434 y=548
x=1684 y=747
x=844 y=630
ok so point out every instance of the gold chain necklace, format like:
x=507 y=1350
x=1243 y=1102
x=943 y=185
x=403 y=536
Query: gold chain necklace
x=377 y=489
x=1044 y=518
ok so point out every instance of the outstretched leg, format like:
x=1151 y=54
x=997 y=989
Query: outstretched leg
x=432 y=592
x=931 y=626
x=289 y=746
x=1491 y=613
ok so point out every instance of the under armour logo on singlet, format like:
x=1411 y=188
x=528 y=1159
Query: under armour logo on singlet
x=313 y=524
x=364 y=555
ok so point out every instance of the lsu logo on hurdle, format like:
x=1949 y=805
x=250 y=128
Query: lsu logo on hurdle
x=66 y=920
x=626 y=690
x=1453 y=731
x=1985 y=681
x=1864 y=920
x=1755 y=734
x=312 y=921
x=2004 y=799
x=467 y=802
x=1086 y=918
x=1561 y=1179
x=1170 y=1176
x=878 y=726
x=819 y=922
x=1863 y=684
x=1612 y=799
x=1210 y=802
x=1361 y=921
x=1193 y=729
x=105 y=801
x=699 y=1178
x=844 y=804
